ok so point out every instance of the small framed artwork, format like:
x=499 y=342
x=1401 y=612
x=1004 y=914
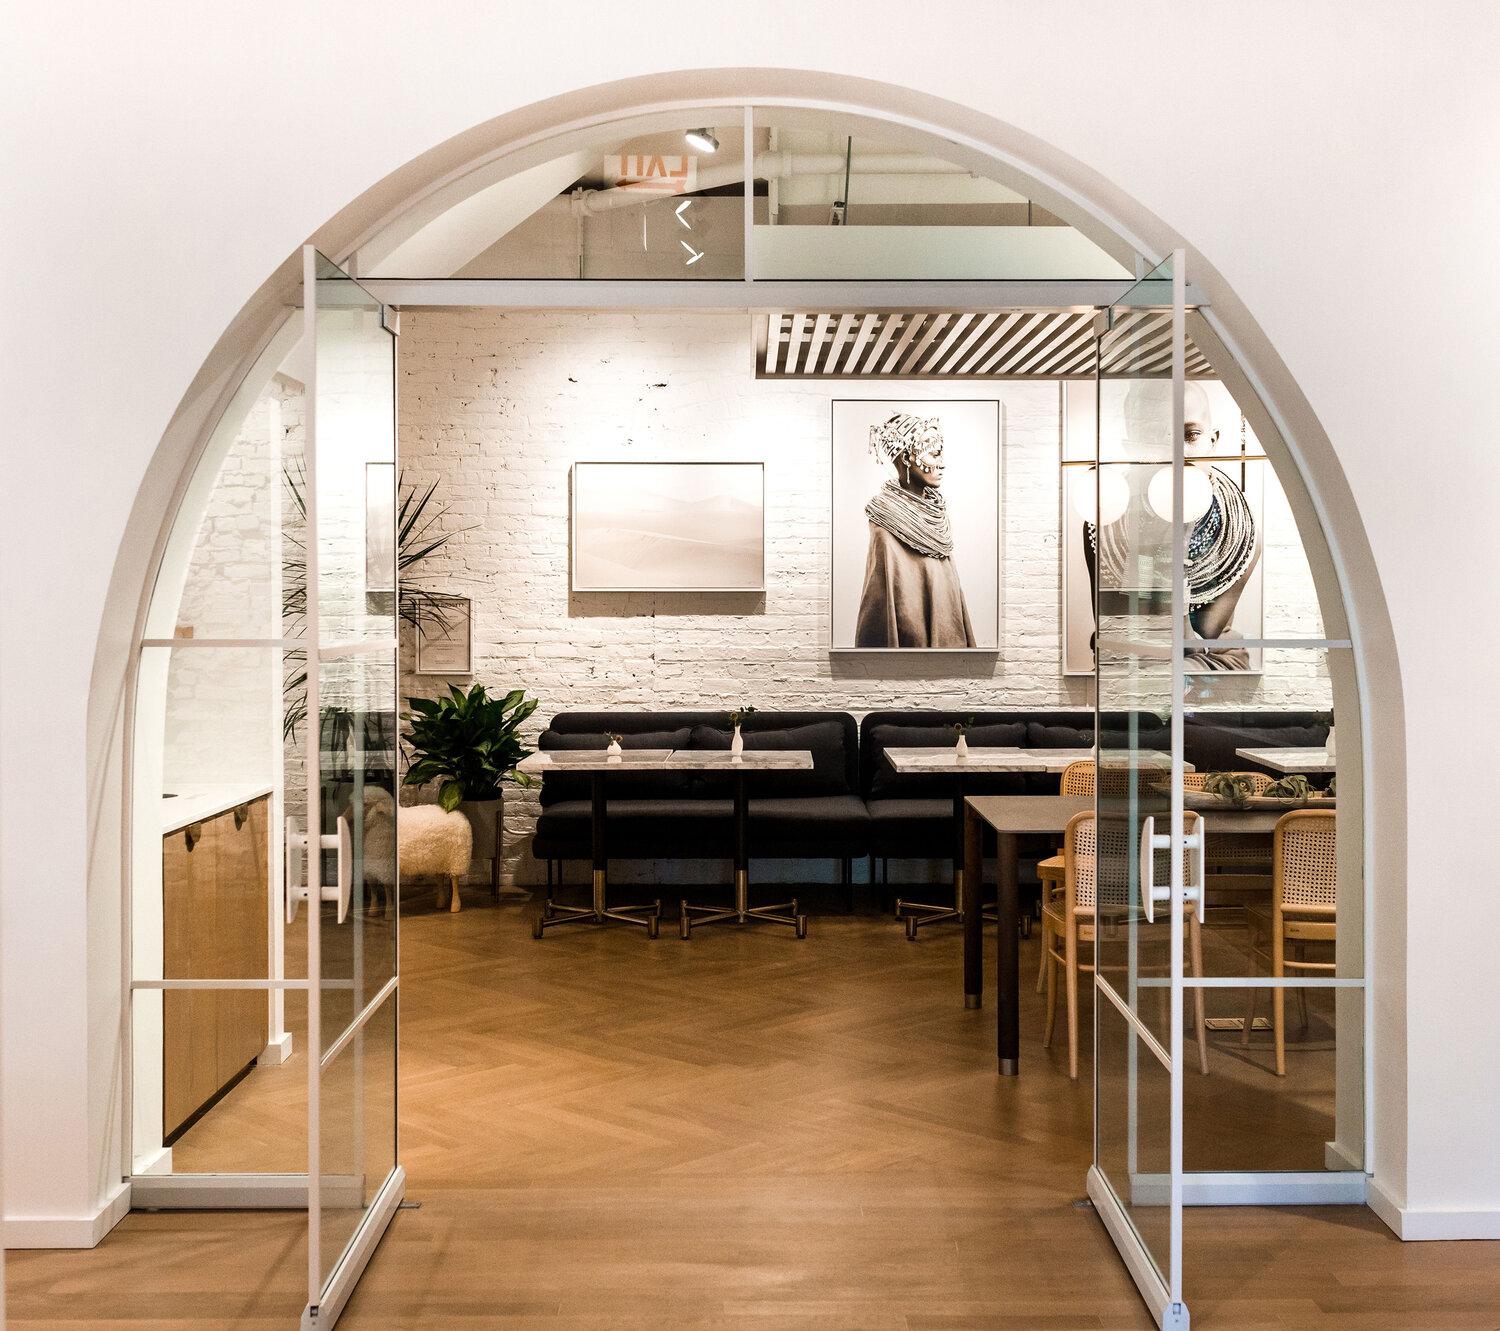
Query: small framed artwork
x=380 y=526
x=916 y=526
x=669 y=527
x=445 y=636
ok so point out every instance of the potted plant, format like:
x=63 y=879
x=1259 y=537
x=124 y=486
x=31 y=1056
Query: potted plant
x=737 y=744
x=470 y=744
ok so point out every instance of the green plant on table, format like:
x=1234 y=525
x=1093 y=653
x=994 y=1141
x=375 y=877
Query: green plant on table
x=1235 y=787
x=468 y=742
x=740 y=714
x=962 y=728
x=1293 y=787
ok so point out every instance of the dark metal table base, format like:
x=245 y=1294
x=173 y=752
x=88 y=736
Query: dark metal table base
x=742 y=912
x=552 y=914
x=598 y=911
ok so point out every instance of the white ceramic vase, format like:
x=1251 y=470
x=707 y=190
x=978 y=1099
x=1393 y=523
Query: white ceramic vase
x=737 y=744
x=962 y=747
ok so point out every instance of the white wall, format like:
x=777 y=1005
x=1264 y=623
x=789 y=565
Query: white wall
x=497 y=407
x=1332 y=169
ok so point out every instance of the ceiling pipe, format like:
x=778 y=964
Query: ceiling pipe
x=775 y=166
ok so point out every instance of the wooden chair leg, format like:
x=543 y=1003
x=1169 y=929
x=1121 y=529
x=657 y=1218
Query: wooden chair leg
x=1195 y=940
x=1072 y=982
x=1041 y=970
x=1278 y=1000
x=1250 y=1016
x=455 y=902
x=1050 y=965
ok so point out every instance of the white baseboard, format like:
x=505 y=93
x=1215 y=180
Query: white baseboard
x=1414 y=1225
x=63 y=1231
x=277 y=1051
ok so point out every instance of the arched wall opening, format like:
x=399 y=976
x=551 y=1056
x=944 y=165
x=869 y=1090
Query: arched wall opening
x=1350 y=597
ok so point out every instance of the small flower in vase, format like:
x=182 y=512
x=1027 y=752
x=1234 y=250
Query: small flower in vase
x=961 y=729
x=613 y=749
x=738 y=715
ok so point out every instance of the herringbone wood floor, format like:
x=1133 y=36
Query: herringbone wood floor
x=744 y=1131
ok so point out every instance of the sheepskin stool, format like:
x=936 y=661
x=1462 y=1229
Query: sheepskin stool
x=434 y=843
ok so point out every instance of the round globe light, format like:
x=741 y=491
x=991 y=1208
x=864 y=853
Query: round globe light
x=1114 y=495
x=1197 y=493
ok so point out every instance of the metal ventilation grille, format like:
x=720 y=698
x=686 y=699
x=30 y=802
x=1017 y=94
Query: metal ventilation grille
x=947 y=344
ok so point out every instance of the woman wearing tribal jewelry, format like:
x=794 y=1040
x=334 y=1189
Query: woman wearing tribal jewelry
x=911 y=595
x=1223 y=544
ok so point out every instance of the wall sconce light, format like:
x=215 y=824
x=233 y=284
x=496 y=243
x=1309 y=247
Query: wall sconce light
x=703 y=140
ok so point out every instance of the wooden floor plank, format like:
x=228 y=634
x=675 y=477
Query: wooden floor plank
x=747 y=1131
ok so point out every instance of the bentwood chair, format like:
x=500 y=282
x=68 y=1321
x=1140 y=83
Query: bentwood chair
x=1077 y=779
x=1304 y=905
x=1068 y=923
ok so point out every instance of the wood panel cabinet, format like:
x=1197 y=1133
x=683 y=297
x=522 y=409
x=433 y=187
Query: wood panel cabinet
x=215 y=885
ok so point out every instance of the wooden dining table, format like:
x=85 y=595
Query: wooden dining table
x=1012 y=817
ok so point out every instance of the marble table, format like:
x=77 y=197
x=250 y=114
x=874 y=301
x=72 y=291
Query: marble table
x=1291 y=760
x=738 y=766
x=599 y=764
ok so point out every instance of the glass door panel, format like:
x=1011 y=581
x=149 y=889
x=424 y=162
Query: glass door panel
x=1139 y=867
x=347 y=868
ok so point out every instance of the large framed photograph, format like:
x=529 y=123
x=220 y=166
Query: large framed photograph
x=669 y=527
x=445 y=636
x=1226 y=506
x=916 y=526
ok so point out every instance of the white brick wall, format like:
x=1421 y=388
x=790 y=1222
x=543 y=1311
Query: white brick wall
x=500 y=405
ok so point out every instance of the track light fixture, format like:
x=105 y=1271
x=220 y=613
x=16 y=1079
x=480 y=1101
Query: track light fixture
x=703 y=140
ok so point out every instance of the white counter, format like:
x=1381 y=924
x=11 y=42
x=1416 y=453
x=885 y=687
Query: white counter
x=192 y=804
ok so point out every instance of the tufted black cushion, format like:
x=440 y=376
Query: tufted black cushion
x=824 y=739
x=638 y=829
x=1152 y=735
x=887 y=783
x=561 y=786
x=785 y=826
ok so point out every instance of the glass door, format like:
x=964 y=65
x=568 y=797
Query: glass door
x=341 y=856
x=1142 y=864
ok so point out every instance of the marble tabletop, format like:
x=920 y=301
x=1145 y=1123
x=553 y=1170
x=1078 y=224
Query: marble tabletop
x=1291 y=760
x=759 y=760
x=986 y=759
x=590 y=760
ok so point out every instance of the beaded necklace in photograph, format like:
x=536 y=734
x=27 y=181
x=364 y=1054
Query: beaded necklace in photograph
x=920 y=522
x=1219 y=547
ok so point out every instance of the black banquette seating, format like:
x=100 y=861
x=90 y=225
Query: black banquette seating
x=852 y=803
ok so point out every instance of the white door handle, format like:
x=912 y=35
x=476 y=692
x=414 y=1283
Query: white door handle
x=1150 y=843
x=297 y=872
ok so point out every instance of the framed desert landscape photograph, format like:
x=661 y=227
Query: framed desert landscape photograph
x=669 y=527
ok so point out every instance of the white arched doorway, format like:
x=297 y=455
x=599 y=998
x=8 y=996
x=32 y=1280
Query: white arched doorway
x=1335 y=570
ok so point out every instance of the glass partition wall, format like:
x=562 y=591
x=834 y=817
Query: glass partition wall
x=1229 y=904
x=264 y=914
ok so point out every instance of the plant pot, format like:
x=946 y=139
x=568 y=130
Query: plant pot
x=487 y=818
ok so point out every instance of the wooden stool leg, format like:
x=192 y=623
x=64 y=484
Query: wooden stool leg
x=1250 y=1015
x=455 y=902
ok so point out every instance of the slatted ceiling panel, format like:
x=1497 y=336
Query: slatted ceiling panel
x=861 y=340
x=836 y=342
x=888 y=325
x=773 y=342
x=946 y=344
x=913 y=323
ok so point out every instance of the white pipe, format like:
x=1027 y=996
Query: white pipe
x=774 y=166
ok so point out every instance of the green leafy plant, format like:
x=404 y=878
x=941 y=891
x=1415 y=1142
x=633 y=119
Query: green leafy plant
x=740 y=714
x=468 y=742
x=1333 y=787
x=963 y=727
x=1235 y=787
x=1293 y=787
x=420 y=532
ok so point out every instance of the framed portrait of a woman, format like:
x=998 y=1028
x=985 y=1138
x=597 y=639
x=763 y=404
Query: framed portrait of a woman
x=916 y=525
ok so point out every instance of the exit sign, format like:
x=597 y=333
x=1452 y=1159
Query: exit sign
x=653 y=173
